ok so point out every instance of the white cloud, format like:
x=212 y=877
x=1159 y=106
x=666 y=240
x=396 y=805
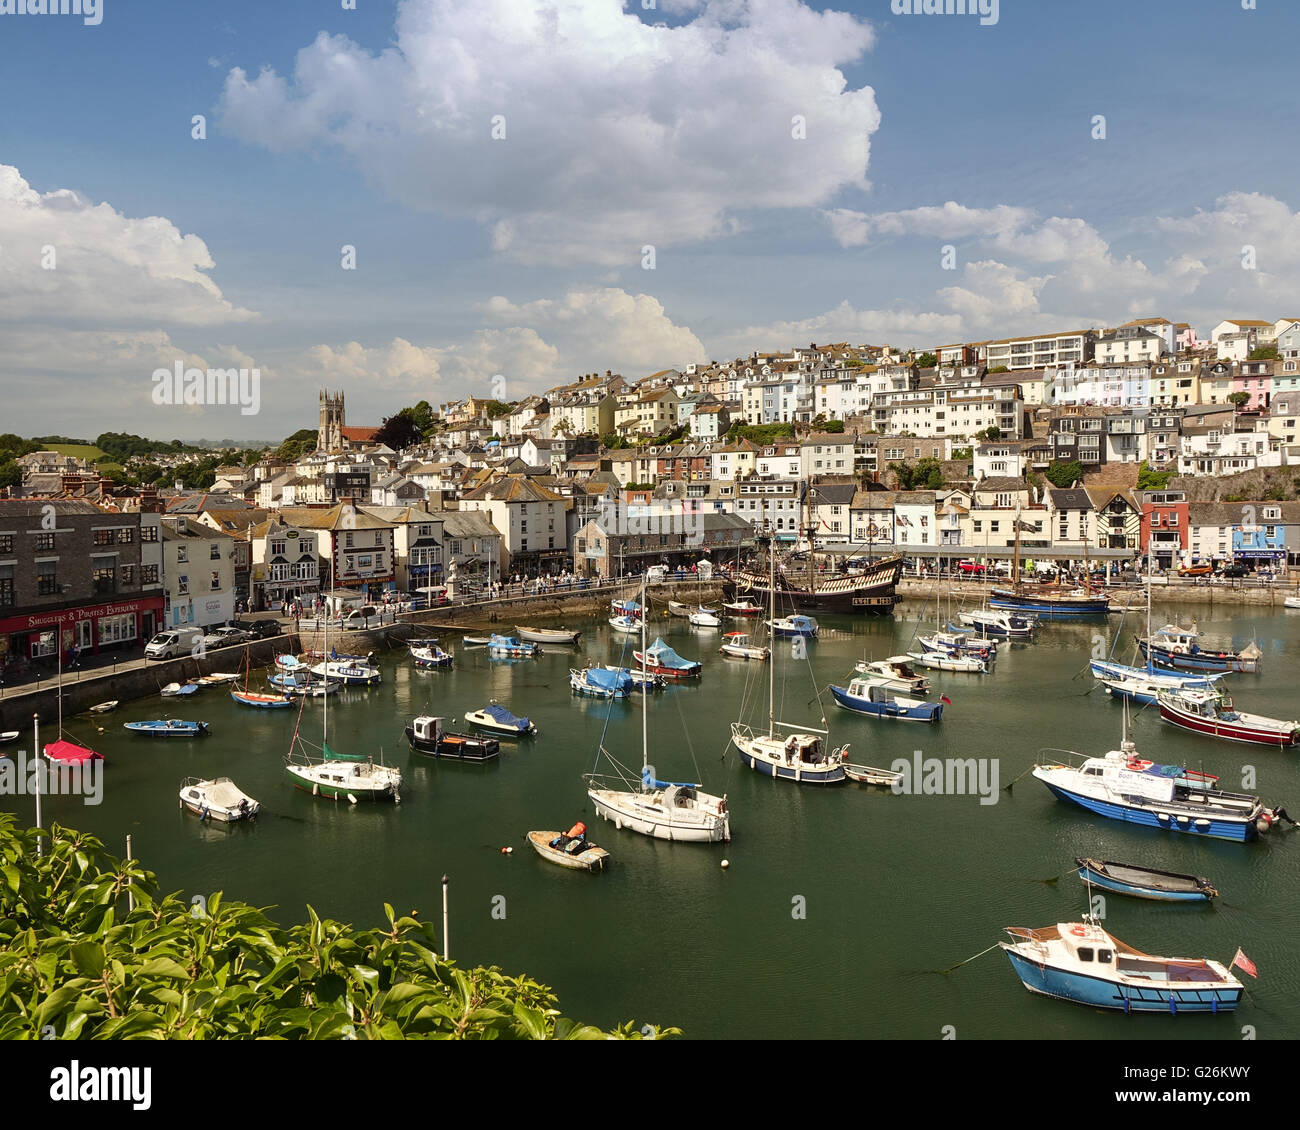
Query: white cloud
x=993 y=291
x=108 y=269
x=617 y=133
x=946 y=221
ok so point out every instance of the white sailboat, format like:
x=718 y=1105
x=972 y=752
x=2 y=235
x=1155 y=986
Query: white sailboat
x=340 y=776
x=665 y=810
x=798 y=754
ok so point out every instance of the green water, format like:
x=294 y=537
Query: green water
x=892 y=888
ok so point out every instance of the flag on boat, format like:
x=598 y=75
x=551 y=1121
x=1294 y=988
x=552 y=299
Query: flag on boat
x=945 y=699
x=1246 y=965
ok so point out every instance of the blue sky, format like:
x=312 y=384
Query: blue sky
x=521 y=255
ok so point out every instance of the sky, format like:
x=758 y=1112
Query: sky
x=537 y=189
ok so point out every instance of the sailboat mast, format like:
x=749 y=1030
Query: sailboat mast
x=645 y=690
x=771 y=667
x=1015 y=569
x=325 y=698
x=58 y=647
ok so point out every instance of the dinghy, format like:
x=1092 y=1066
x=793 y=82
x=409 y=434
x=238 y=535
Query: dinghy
x=1144 y=882
x=569 y=849
x=104 y=707
x=867 y=775
x=218 y=799
x=548 y=635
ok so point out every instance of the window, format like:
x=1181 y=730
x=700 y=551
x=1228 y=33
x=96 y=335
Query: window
x=182 y=554
x=44 y=541
x=149 y=574
x=6 y=543
x=214 y=581
x=183 y=585
x=125 y=535
x=116 y=629
x=278 y=547
x=47 y=578
x=103 y=537
x=6 y=586
x=347 y=541
x=379 y=537
x=128 y=574
x=148 y=533
x=214 y=551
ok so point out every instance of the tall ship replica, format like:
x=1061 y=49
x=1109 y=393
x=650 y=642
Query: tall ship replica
x=867 y=591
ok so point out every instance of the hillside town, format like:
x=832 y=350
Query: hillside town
x=1139 y=448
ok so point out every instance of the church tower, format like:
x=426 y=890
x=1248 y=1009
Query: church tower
x=331 y=423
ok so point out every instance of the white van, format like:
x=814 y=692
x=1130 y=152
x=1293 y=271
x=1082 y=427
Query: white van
x=172 y=642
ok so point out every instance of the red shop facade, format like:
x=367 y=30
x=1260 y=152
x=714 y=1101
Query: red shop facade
x=91 y=628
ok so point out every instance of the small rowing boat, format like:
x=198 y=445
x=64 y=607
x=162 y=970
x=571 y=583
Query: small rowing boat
x=548 y=635
x=167 y=728
x=569 y=849
x=1144 y=882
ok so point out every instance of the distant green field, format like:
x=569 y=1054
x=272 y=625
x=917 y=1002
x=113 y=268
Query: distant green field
x=78 y=450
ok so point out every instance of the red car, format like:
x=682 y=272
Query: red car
x=972 y=567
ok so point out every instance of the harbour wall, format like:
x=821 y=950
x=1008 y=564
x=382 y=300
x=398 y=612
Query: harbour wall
x=1121 y=596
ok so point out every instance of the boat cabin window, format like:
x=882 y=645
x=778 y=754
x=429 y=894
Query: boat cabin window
x=1104 y=956
x=1085 y=953
x=1092 y=771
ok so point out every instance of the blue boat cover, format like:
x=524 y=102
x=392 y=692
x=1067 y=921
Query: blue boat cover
x=499 y=713
x=660 y=653
x=507 y=641
x=609 y=680
x=651 y=782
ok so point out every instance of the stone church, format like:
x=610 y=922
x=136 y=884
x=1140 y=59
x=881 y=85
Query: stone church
x=334 y=434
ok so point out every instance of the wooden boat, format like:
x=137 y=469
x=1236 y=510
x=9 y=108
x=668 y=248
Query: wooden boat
x=746 y=608
x=677 y=608
x=895 y=674
x=508 y=647
x=1178 y=648
x=167 y=728
x=599 y=682
x=262 y=701
x=476 y=641
x=426 y=735
x=660 y=659
x=569 y=849
x=104 y=707
x=1081 y=962
x=866 y=696
x=869 y=591
x=1144 y=882
x=218 y=799
x=1211 y=712
x=739 y=646
x=548 y=635
x=867 y=775
x=496 y=719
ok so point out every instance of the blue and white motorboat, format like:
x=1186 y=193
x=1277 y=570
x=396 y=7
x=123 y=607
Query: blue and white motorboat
x=959 y=643
x=167 y=728
x=303 y=683
x=511 y=647
x=1178 y=649
x=1124 y=786
x=628 y=625
x=641 y=680
x=894 y=674
x=1144 y=882
x=790 y=626
x=869 y=697
x=1081 y=962
x=1050 y=603
x=599 y=682
x=349 y=670
x=290 y=663
x=496 y=719
x=945 y=660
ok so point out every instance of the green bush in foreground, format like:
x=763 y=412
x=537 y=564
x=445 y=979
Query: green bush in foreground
x=75 y=963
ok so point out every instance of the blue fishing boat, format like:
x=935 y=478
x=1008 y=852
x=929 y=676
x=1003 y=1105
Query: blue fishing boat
x=866 y=696
x=790 y=626
x=1051 y=604
x=1144 y=882
x=1143 y=684
x=511 y=647
x=167 y=728
x=1177 y=649
x=600 y=682
x=496 y=719
x=1081 y=962
x=431 y=655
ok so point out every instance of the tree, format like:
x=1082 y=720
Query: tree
x=1061 y=474
x=1239 y=400
x=399 y=431
x=76 y=963
x=497 y=408
x=1149 y=479
x=297 y=445
x=990 y=433
x=11 y=475
x=924 y=474
x=927 y=361
x=999 y=369
x=833 y=427
x=1263 y=353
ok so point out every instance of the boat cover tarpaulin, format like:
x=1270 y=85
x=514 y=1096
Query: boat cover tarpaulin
x=608 y=680
x=499 y=713
x=69 y=753
x=664 y=656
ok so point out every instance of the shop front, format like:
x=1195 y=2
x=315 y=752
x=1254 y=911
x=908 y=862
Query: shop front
x=91 y=629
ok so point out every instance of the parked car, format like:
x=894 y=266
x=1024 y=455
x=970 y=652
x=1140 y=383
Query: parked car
x=360 y=616
x=1202 y=570
x=258 y=629
x=1234 y=569
x=173 y=642
x=225 y=636
x=971 y=567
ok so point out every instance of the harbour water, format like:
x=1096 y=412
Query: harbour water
x=839 y=905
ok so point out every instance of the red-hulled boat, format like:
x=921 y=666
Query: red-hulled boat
x=1211 y=712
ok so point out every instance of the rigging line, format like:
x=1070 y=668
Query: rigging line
x=689 y=744
x=600 y=746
